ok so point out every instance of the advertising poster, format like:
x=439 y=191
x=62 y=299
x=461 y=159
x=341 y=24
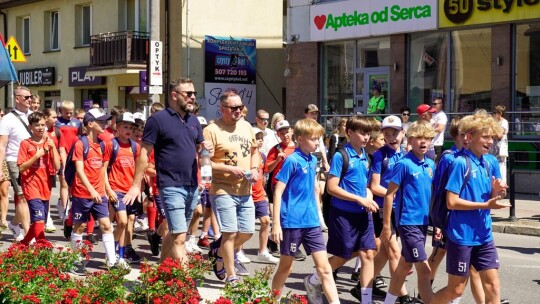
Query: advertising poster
x=230 y=63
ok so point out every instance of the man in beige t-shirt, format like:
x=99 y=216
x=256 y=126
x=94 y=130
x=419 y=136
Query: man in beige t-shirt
x=235 y=167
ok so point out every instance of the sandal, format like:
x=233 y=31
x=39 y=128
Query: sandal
x=233 y=281
x=220 y=273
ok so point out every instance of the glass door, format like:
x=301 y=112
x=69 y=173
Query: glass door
x=366 y=78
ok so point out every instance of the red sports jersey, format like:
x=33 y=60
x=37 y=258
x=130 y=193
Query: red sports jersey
x=36 y=180
x=70 y=131
x=107 y=135
x=272 y=156
x=123 y=170
x=258 y=192
x=92 y=169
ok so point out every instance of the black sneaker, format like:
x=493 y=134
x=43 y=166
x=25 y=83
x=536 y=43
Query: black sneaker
x=379 y=282
x=92 y=238
x=299 y=256
x=335 y=273
x=356 y=293
x=406 y=299
x=67 y=230
x=377 y=292
x=505 y=301
x=78 y=269
x=355 y=276
x=272 y=247
x=131 y=256
x=240 y=269
x=154 y=240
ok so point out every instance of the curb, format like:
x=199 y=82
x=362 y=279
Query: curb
x=516 y=228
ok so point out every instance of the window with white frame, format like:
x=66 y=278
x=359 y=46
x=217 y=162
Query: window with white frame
x=83 y=26
x=25 y=31
x=54 y=31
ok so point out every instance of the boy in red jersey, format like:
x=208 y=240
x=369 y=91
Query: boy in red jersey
x=37 y=157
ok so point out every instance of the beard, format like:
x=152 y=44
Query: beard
x=186 y=107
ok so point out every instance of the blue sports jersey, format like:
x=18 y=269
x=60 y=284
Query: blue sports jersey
x=377 y=167
x=493 y=165
x=412 y=200
x=470 y=227
x=298 y=205
x=355 y=179
x=444 y=163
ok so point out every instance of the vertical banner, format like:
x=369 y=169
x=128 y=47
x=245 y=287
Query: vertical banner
x=230 y=63
x=156 y=55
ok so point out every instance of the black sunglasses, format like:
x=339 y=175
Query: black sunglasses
x=406 y=114
x=235 y=108
x=190 y=93
x=26 y=97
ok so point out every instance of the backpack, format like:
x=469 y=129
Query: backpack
x=116 y=148
x=69 y=170
x=438 y=211
x=326 y=197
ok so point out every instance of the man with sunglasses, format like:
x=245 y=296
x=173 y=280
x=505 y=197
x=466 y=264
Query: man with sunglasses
x=270 y=137
x=176 y=137
x=439 y=122
x=13 y=130
x=235 y=166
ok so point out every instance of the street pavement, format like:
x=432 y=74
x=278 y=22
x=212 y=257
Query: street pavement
x=519 y=251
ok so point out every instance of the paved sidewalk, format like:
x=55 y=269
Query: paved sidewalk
x=527 y=221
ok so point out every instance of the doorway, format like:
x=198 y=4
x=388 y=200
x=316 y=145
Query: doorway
x=366 y=78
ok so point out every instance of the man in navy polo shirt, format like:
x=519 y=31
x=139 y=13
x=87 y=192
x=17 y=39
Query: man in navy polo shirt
x=176 y=135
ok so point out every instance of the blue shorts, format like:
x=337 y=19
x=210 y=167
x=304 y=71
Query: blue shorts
x=234 y=213
x=460 y=258
x=205 y=199
x=179 y=203
x=311 y=238
x=82 y=207
x=349 y=232
x=39 y=210
x=159 y=206
x=261 y=209
x=133 y=209
x=413 y=242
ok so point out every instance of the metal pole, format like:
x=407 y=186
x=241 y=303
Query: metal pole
x=512 y=216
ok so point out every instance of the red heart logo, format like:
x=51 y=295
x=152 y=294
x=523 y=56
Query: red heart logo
x=320 y=21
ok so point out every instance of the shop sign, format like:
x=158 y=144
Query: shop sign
x=473 y=12
x=230 y=60
x=156 y=62
x=37 y=77
x=78 y=78
x=353 y=18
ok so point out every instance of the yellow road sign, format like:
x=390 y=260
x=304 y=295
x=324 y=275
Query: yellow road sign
x=15 y=52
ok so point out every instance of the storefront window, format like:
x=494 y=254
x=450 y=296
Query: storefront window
x=526 y=121
x=338 y=77
x=471 y=70
x=427 y=71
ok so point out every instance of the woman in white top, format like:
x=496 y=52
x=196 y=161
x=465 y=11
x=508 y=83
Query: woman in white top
x=500 y=144
x=405 y=124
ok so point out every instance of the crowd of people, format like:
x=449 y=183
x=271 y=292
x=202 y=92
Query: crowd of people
x=380 y=178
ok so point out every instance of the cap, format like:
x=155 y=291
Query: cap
x=423 y=108
x=311 y=108
x=139 y=115
x=202 y=121
x=126 y=117
x=391 y=121
x=282 y=125
x=95 y=114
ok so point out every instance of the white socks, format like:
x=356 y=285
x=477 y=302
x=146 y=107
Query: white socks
x=108 y=243
x=76 y=241
x=367 y=294
x=390 y=299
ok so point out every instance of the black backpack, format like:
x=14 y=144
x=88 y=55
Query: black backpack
x=326 y=197
x=69 y=170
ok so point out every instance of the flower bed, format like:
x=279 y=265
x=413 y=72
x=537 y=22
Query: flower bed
x=39 y=274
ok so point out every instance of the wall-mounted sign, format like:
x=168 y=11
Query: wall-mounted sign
x=37 y=77
x=354 y=18
x=143 y=82
x=472 y=12
x=230 y=60
x=156 y=54
x=78 y=77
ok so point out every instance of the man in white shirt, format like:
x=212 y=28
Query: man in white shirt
x=13 y=130
x=439 y=121
x=270 y=138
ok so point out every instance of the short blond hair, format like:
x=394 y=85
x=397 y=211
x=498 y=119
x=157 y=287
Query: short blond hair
x=478 y=121
x=308 y=127
x=419 y=129
x=67 y=105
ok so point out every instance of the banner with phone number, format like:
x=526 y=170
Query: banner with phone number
x=230 y=60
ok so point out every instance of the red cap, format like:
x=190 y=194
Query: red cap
x=423 y=108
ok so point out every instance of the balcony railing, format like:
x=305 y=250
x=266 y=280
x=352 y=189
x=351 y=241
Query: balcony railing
x=119 y=49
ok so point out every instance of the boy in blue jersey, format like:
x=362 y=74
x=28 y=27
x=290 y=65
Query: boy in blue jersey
x=350 y=226
x=411 y=186
x=469 y=234
x=383 y=163
x=296 y=219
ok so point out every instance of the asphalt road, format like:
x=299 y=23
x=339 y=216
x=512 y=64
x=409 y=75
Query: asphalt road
x=519 y=273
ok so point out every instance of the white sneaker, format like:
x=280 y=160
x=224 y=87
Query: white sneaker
x=266 y=257
x=242 y=257
x=18 y=234
x=49 y=226
x=137 y=226
x=141 y=224
x=188 y=246
x=193 y=245
x=121 y=264
x=61 y=210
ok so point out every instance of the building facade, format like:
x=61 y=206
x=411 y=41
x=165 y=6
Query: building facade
x=96 y=51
